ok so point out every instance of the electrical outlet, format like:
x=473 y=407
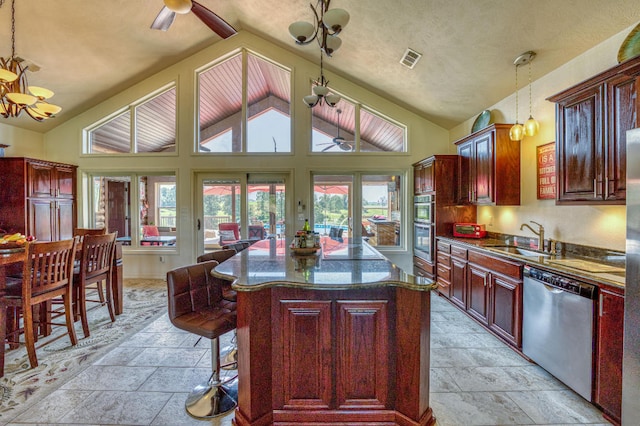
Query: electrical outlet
x=162 y=259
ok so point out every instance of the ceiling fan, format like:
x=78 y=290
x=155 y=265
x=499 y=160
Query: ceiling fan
x=168 y=14
x=339 y=141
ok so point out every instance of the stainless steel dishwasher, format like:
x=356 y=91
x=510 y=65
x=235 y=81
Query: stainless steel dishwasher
x=557 y=327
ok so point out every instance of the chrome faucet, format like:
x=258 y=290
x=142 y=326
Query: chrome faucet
x=540 y=233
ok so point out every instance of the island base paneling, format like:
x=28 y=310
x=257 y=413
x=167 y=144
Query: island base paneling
x=333 y=357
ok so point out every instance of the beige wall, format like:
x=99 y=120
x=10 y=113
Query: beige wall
x=599 y=226
x=22 y=143
x=64 y=143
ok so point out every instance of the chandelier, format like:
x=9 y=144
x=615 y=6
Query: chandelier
x=328 y=24
x=321 y=93
x=15 y=93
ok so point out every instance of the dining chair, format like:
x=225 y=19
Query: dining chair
x=81 y=232
x=47 y=274
x=95 y=267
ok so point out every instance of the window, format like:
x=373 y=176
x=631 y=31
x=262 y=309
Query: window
x=351 y=127
x=155 y=128
x=166 y=196
x=358 y=204
x=268 y=97
x=114 y=199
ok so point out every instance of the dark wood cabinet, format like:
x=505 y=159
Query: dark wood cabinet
x=458 y=292
x=38 y=198
x=478 y=293
x=591 y=123
x=608 y=383
x=443 y=268
x=437 y=176
x=487 y=288
x=489 y=167
x=330 y=357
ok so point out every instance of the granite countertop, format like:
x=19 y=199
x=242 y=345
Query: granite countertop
x=609 y=270
x=337 y=265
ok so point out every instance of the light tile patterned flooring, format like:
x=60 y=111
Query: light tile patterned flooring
x=475 y=380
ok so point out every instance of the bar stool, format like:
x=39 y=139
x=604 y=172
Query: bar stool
x=229 y=354
x=196 y=305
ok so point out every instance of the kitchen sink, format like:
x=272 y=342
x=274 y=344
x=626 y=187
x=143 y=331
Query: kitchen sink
x=520 y=251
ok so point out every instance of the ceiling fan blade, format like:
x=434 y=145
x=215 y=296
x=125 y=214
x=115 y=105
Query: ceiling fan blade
x=213 y=21
x=327 y=148
x=164 y=19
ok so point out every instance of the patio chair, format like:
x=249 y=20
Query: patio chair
x=229 y=233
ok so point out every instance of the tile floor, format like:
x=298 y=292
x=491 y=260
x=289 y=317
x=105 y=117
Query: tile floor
x=475 y=380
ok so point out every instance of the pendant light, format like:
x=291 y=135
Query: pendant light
x=518 y=131
x=531 y=126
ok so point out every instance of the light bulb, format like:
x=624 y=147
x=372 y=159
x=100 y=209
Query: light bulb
x=531 y=126
x=516 y=133
x=178 y=6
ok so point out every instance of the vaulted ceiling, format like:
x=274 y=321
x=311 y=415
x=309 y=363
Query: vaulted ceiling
x=90 y=50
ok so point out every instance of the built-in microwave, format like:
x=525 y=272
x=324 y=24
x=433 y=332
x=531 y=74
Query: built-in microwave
x=423 y=208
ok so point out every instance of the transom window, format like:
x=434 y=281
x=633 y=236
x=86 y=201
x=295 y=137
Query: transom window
x=351 y=127
x=221 y=109
x=154 y=128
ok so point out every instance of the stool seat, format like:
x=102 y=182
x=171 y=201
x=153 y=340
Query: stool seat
x=197 y=305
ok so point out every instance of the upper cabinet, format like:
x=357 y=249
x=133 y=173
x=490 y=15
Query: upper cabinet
x=37 y=198
x=592 y=119
x=489 y=167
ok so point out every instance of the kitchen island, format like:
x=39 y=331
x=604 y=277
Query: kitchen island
x=336 y=337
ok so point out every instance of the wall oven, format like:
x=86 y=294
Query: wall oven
x=423 y=238
x=423 y=241
x=423 y=209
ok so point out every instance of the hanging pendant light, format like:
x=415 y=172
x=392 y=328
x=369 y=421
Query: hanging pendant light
x=328 y=23
x=530 y=128
x=516 y=133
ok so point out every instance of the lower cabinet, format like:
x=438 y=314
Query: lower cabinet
x=608 y=386
x=488 y=288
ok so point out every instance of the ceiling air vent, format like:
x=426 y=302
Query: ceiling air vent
x=410 y=58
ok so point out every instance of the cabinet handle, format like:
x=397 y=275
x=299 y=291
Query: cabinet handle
x=595 y=190
x=600 y=308
x=484 y=279
x=606 y=188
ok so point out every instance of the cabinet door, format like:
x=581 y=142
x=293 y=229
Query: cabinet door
x=306 y=354
x=362 y=343
x=580 y=146
x=40 y=180
x=65 y=182
x=477 y=300
x=40 y=223
x=458 y=293
x=483 y=168
x=417 y=179
x=427 y=177
x=608 y=393
x=465 y=173
x=622 y=115
x=64 y=219
x=505 y=314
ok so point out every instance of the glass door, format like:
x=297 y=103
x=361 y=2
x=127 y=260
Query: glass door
x=239 y=207
x=332 y=213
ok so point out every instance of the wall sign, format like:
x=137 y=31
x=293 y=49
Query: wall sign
x=546 y=171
